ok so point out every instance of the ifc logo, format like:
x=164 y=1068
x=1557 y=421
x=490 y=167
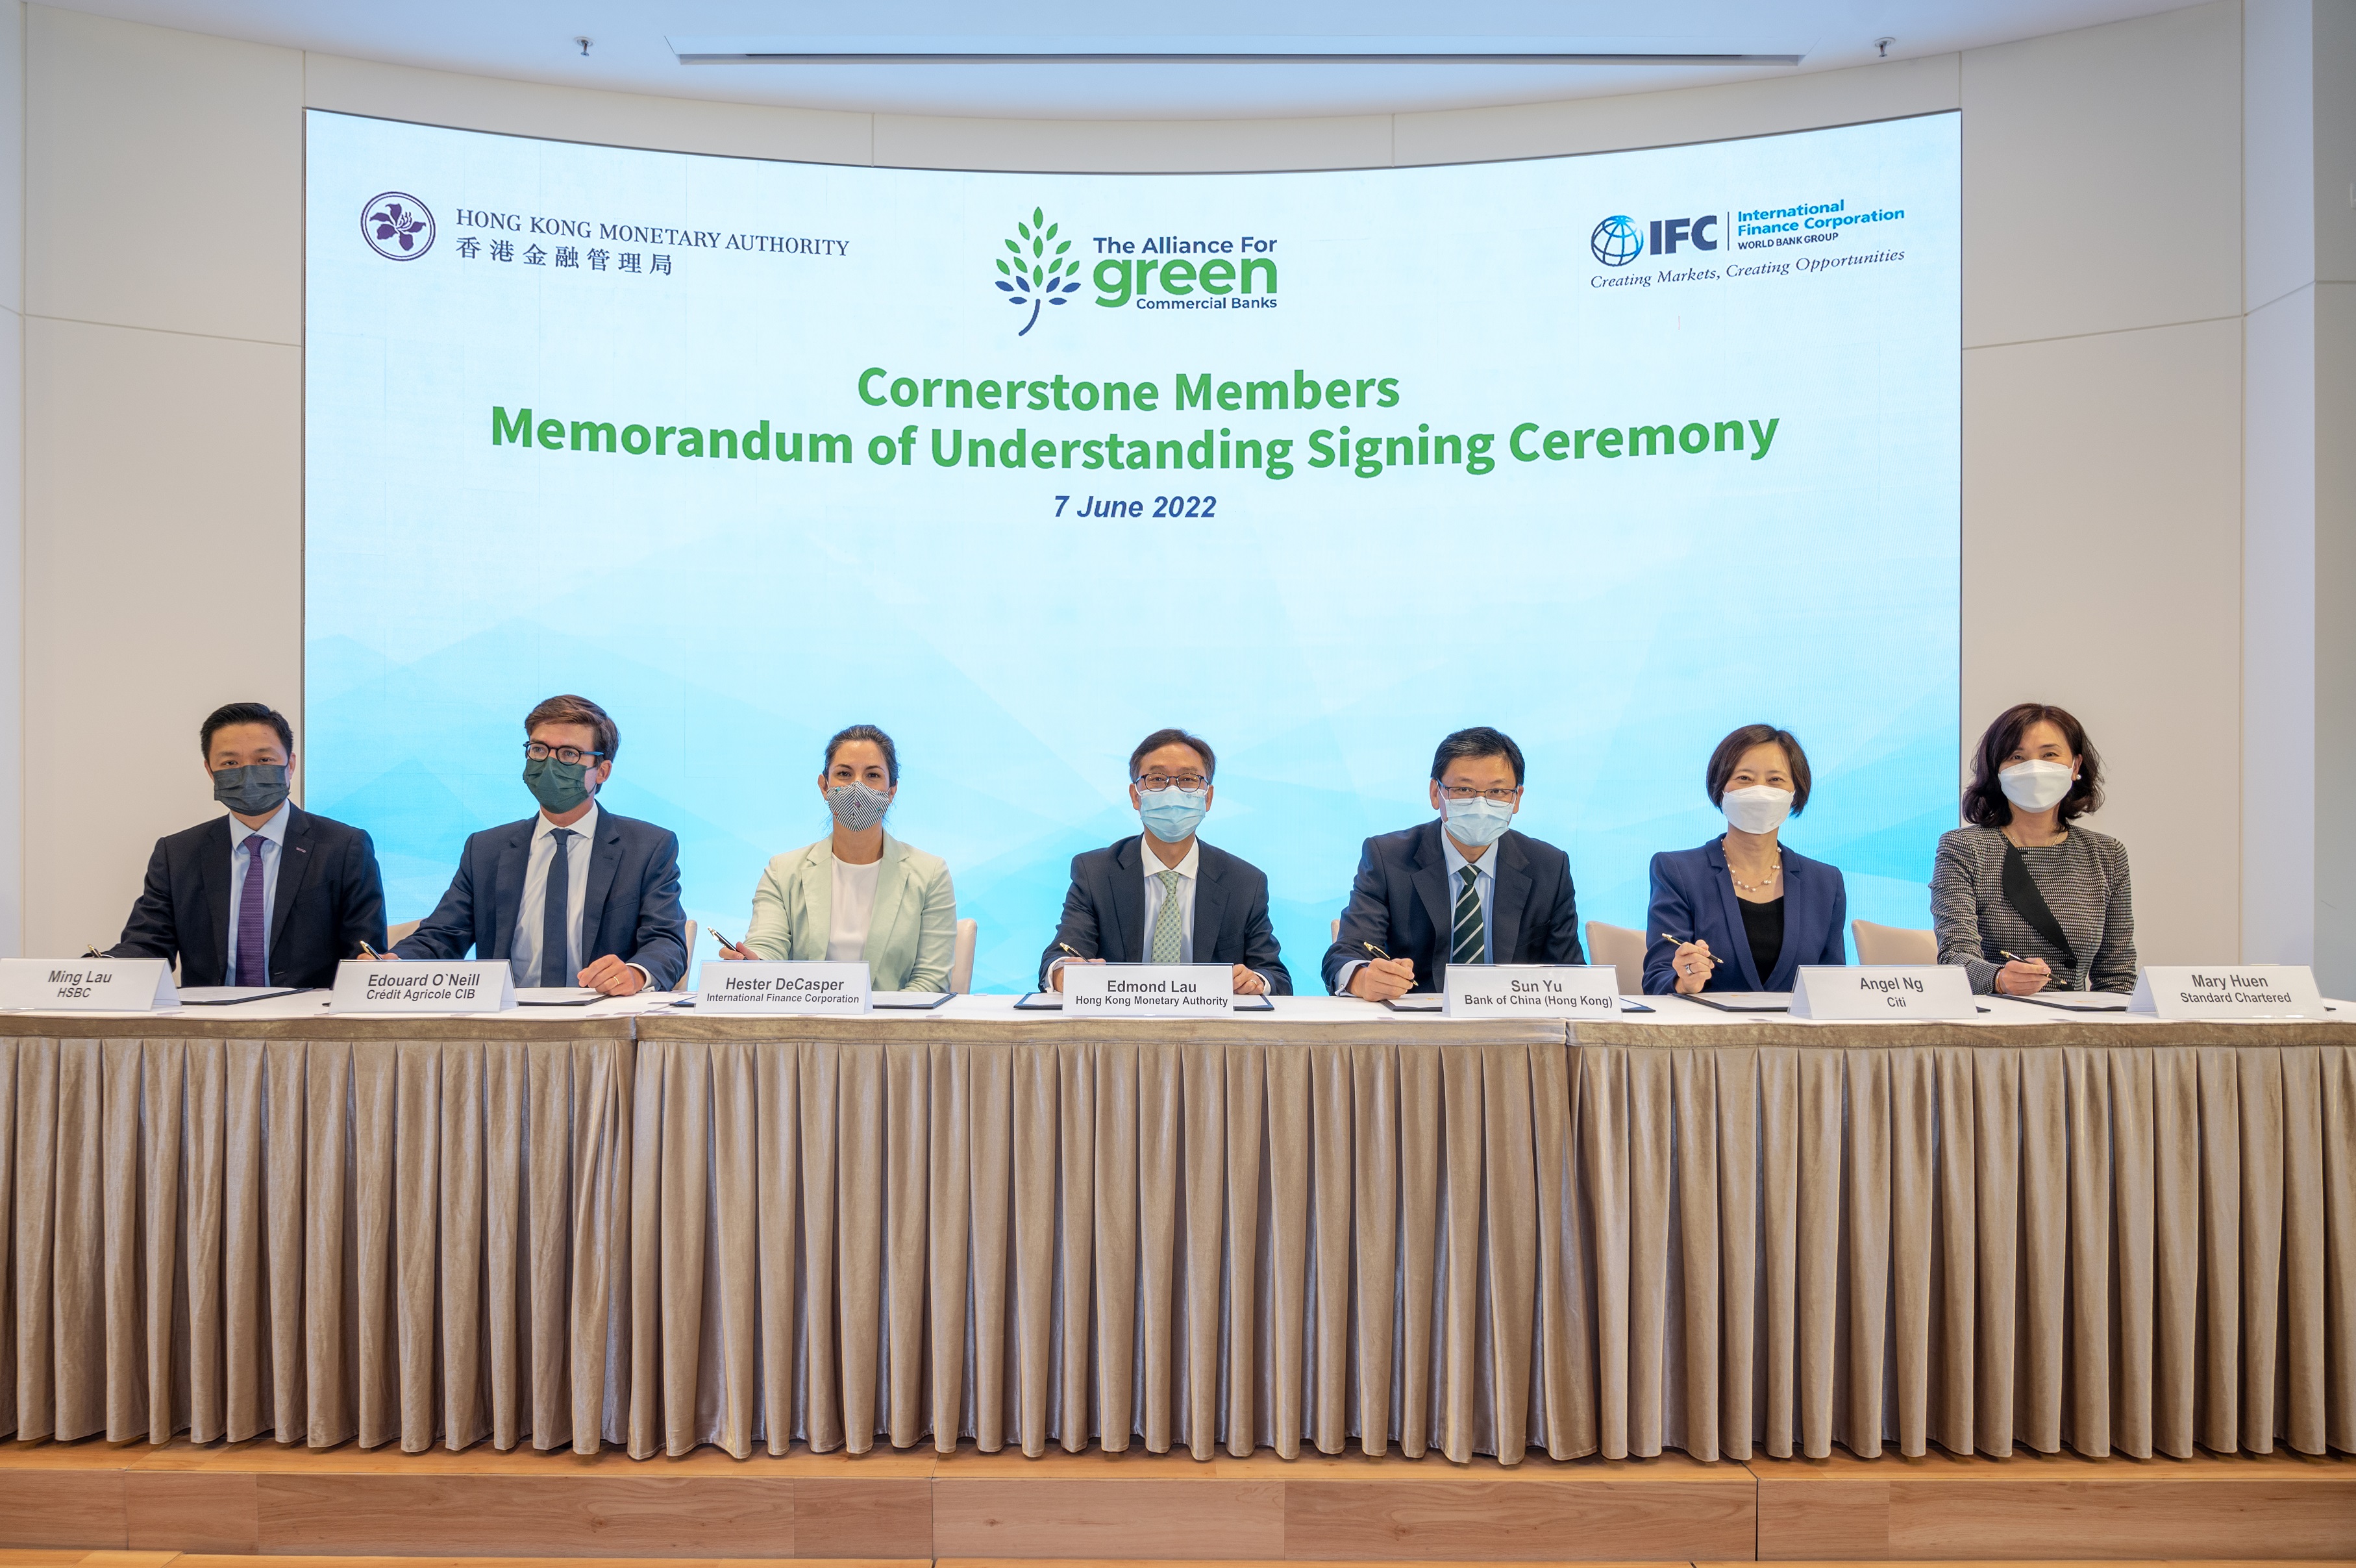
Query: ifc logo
x=1616 y=240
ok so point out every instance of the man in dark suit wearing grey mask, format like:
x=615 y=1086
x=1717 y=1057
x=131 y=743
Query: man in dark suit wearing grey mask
x=268 y=895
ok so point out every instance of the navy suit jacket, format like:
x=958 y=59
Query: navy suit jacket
x=329 y=901
x=1693 y=896
x=1402 y=904
x=1104 y=913
x=631 y=911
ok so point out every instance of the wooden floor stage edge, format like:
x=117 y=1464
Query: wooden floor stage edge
x=206 y=1507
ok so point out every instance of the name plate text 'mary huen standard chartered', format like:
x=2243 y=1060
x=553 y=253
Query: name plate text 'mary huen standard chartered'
x=2228 y=991
x=1149 y=990
x=782 y=987
x=424 y=986
x=1530 y=991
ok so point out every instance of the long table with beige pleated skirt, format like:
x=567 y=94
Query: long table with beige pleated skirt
x=1324 y=1228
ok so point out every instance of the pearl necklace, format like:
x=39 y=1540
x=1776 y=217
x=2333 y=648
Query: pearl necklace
x=1764 y=883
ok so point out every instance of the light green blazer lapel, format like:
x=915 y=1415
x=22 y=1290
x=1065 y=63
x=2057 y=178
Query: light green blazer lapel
x=891 y=945
x=814 y=895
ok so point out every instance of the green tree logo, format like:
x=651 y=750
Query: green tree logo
x=1038 y=275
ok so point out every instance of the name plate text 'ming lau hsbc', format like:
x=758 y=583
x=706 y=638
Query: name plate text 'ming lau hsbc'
x=424 y=986
x=1149 y=990
x=2228 y=991
x=783 y=987
x=87 y=984
x=1530 y=991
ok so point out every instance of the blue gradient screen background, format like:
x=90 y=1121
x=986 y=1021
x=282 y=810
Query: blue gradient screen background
x=1323 y=630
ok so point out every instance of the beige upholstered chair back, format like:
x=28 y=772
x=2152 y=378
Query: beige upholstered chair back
x=1892 y=944
x=1621 y=947
x=961 y=958
x=406 y=929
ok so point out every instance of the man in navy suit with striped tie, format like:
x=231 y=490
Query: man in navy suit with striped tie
x=1462 y=889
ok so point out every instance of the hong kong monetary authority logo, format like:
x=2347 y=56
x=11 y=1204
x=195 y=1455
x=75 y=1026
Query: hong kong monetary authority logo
x=397 y=226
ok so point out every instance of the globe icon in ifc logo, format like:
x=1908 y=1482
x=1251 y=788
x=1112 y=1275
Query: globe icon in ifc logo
x=1616 y=241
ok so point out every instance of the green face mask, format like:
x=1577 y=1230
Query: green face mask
x=558 y=785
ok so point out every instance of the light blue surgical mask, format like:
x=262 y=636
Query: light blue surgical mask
x=1478 y=821
x=1170 y=815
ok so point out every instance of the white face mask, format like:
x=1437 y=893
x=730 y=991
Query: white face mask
x=1757 y=809
x=2036 y=786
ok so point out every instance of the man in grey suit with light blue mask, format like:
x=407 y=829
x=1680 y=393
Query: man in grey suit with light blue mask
x=1163 y=895
x=573 y=895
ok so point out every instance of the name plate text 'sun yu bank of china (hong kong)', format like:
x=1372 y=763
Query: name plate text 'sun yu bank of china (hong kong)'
x=424 y=986
x=1856 y=992
x=2228 y=991
x=1530 y=991
x=832 y=990
x=87 y=984
x=1149 y=990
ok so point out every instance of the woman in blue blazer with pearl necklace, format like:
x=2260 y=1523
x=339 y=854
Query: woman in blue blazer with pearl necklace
x=1741 y=912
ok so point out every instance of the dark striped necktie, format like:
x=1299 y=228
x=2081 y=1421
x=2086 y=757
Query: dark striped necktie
x=1468 y=942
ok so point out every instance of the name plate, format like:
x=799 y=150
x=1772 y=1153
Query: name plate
x=2228 y=991
x=1911 y=991
x=422 y=987
x=776 y=987
x=87 y=984
x=1530 y=991
x=1149 y=990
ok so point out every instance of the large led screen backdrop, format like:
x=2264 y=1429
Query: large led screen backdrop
x=1612 y=452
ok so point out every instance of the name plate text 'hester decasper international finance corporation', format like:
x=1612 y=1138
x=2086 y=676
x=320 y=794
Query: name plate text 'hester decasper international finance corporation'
x=783 y=987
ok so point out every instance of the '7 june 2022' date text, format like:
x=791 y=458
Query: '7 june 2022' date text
x=1162 y=506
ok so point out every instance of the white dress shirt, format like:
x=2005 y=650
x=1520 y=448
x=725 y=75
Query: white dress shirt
x=852 y=910
x=1188 y=869
x=273 y=850
x=1486 y=884
x=531 y=915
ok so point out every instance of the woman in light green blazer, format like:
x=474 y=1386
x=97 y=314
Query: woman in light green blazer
x=859 y=894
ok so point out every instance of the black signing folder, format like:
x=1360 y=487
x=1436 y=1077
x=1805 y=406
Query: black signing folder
x=909 y=1000
x=1744 y=1001
x=231 y=996
x=2077 y=1000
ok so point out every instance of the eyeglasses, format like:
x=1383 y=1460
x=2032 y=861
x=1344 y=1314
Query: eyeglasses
x=1193 y=783
x=1503 y=797
x=534 y=751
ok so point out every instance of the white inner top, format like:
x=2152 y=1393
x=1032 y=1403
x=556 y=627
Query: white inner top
x=854 y=908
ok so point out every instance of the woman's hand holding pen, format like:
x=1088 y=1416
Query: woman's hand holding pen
x=1694 y=964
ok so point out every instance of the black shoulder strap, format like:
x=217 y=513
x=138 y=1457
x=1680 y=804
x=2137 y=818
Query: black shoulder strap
x=2021 y=892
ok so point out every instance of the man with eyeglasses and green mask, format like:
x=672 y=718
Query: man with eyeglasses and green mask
x=573 y=895
x=1461 y=888
x=1163 y=895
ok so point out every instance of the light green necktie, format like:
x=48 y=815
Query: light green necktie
x=1169 y=922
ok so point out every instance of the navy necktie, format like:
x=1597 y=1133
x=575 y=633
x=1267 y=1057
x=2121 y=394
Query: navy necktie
x=252 y=935
x=556 y=927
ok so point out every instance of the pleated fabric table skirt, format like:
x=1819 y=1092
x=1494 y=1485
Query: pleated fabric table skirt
x=1473 y=1239
x=1403 y=1235
x=403 y=1231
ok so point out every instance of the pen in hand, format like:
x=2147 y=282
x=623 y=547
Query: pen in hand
x=369 y=953
x=1377 y=950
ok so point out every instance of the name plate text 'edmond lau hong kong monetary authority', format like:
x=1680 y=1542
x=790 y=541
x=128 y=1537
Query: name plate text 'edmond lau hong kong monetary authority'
x=832 y=990
x=422 y=986
x=2228 y=991
x=1149 y=990
x=1530 y=991
x=1853 y=992
x=87 y=984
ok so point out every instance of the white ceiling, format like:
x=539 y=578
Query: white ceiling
x=532 y=40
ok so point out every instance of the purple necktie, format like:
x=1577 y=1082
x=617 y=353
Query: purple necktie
x=253 y=946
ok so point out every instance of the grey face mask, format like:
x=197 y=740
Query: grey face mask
x=857 y=807
x=254 y=790
x=559 y=786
